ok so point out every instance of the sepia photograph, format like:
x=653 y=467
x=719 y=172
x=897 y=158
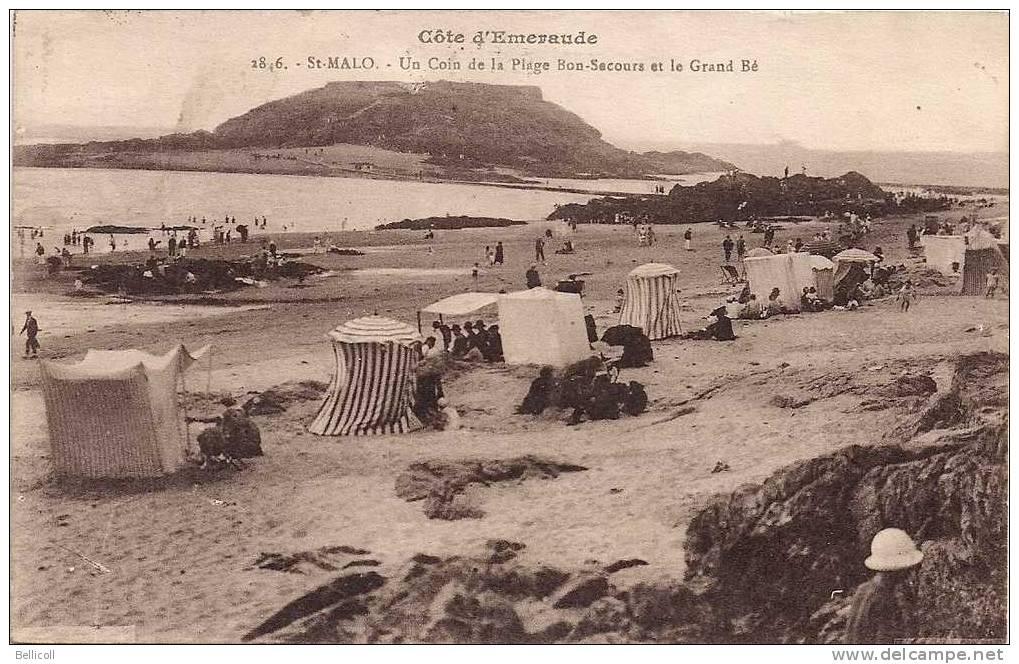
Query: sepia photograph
x=510 y=327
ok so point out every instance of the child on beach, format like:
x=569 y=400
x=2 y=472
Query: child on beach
x=906 y=294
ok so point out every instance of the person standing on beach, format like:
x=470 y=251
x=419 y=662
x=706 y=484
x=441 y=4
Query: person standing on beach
x=991 y=283
x=741 y=248
x=499 y=256
x=687 y=238
x=490 y=256
x=31 y=328
x=906 y=295
x=727 y=245
x=113 y=243
x=171 y=245
x=539 y=249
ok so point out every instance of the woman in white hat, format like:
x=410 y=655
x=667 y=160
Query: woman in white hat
x=883 y=607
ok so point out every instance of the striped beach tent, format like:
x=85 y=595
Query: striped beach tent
x=650 y=301
x=116 y=413
x=372 y=391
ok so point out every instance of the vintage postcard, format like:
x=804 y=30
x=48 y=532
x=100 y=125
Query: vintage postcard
x=515 y=327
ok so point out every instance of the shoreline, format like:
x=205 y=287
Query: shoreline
x=529 y=186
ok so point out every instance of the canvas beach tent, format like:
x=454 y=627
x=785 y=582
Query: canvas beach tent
x=372 y=389
x=117 y=414
x=650 y=301
x=824 y=277
x=851 y=268
x=542 y=326
x=944 y=253
x=983 y=254
x=789 y=273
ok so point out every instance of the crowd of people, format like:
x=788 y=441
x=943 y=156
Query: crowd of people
x=474 y=340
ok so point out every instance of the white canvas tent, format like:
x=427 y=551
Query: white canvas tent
x=944 y=253
x=650 y=301
x=372 y=389
x=542 y=326
x=116 y=413
x=790 y=273
x=824 y=277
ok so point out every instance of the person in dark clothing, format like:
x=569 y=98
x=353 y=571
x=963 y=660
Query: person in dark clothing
x=539 y=395
x=427 y=392
x=272 y=249
x=539 y=249
x=884 y=607
x=532 y=277
x=494 y=347
x=741 y=247
x=603 y=401
x=234 y=436
x=461 y=344
x=636 y=399
x=498 y=253
x=912 y=235
x=719 y=330
x=31 y=330
x=443 y=329
x=727 y=245
x=480 y=336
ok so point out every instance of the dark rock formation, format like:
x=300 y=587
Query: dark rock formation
x=771 y=556
x=442 y=483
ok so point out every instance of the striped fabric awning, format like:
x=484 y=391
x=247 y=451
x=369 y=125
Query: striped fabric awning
x=375 y=329
x=372 y=390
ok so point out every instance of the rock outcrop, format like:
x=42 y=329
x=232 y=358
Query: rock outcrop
x=771 y=557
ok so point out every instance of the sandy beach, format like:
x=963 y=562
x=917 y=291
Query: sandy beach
x=181 y=555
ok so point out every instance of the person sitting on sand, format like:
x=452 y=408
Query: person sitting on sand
x=539 y=395
x=719 y=329
x=774 y=306
x=480 y=336
x=430 y=348
x=752 y=310
x=450 y=416
x=233 y=436
x=427 y=395
x=461 y=344
x=494 y=346
x=808 y=301
x=816 y=301
x=532 y=277
x=443 y=330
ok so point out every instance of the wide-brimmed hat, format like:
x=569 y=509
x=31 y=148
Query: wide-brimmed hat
x=892 y=550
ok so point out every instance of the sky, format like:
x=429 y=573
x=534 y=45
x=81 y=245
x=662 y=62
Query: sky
x=919 y=81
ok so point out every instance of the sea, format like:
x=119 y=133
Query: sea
x=61 y=199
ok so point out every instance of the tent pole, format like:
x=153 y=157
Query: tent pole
x=419 y=322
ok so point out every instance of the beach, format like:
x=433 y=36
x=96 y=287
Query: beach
x=181 y=557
